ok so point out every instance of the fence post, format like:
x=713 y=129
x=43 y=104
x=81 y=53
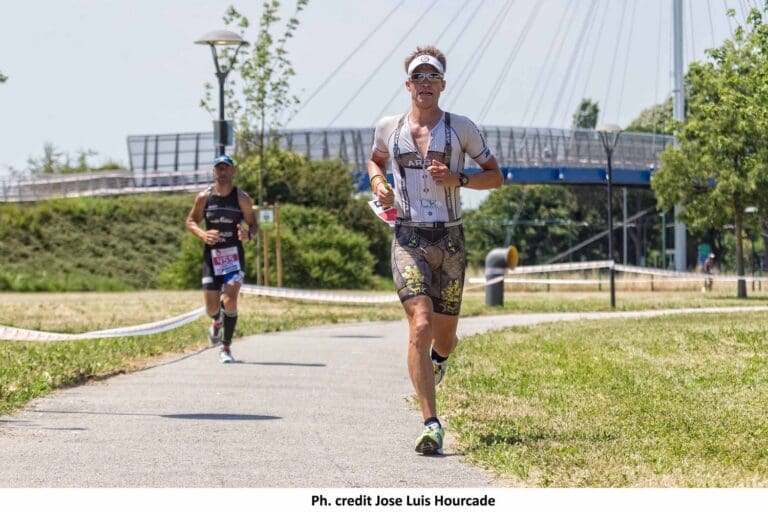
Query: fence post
x=278 y=247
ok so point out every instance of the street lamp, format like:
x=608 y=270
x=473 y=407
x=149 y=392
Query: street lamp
x=214 y=39
x=609 y=136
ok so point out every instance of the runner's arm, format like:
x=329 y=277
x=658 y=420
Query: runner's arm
x=195 y=217
x=377 y=176
x=490 y=177
x=246 y=206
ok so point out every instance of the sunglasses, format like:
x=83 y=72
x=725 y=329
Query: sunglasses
x=420 y=78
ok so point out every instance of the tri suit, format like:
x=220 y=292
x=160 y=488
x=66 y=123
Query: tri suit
x=428 y=254
x=224 y=261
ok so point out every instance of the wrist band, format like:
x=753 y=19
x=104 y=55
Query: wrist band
x=373 y=178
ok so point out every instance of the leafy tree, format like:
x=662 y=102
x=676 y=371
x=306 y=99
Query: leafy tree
x=49 y=163
x=292 y=178
x=586 y=114
x=3 y=78
x=54 y=161
x=721 y=165
x=540 y=220
x=319 y=251
x=260 y=102
x=656 y=119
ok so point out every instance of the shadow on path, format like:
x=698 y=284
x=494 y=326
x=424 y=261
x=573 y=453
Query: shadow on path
x=277 y=363
x=180 y=416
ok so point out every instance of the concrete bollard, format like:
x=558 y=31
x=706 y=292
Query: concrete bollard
x=497 y=262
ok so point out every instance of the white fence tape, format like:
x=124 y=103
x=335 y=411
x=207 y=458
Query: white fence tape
x=686 y=276
x=606 y=264
x=316 y=295
x=16 y=334
x=561 y=267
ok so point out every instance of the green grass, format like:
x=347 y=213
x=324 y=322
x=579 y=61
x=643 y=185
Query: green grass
x=671 y=401
x=93 y=243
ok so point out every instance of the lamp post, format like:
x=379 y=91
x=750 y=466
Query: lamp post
x=214 y=39
x=609 y=136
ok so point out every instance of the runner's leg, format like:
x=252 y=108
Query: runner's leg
x=419 y=313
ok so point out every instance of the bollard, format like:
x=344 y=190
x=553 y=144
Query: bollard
x=496 y=264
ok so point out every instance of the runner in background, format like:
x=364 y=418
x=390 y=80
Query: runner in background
x=224 y=208
x=427 y=148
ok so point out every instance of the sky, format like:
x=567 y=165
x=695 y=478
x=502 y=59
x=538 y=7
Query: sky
x=85 y=74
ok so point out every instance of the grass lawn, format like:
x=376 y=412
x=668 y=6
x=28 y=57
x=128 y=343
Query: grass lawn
x=669 y=401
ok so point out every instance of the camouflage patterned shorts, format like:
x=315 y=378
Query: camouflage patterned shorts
x=430 y=262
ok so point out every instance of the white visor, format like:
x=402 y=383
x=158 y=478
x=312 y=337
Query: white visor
x=425 y=59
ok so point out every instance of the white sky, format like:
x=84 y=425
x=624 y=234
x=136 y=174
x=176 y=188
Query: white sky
x=84 y=74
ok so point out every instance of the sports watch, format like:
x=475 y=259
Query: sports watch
x=463 y=179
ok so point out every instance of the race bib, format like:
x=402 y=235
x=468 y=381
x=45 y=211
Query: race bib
x=225 y=261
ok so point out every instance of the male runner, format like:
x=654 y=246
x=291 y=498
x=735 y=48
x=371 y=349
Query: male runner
x=224 y=208
x=427 y=148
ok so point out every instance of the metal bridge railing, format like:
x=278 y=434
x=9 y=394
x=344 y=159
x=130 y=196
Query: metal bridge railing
x=100 y=184
x=181 y=161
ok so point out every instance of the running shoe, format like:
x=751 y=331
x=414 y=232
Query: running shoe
x=225 y=356
x=439 y=370
x=214 y=333
x=430 y=442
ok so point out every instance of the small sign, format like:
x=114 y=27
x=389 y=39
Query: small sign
x=266 y=216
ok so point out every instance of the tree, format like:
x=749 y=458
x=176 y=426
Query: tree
x=3 y=78
x=261 y=101
x=655 y=119
x=721 y=165
x=54 y=161
x=586 y=115
x=49 y=163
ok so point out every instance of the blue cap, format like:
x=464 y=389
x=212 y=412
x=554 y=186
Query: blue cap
x=223 y=159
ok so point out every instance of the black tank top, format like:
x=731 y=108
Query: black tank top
x=223 y=213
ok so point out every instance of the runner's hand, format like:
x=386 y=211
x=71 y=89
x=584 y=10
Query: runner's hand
x=243 y=234
x=442 y=175
x=384 y=194
x=211 y=236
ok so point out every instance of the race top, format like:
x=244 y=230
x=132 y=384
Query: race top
x=224 y=214
x=417 y=197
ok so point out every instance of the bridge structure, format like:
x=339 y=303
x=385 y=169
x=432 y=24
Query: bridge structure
x=181 y=161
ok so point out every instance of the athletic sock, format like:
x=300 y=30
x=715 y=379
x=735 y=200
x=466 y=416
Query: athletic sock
x=230 y=320
x=437 y=357
x=432 y=421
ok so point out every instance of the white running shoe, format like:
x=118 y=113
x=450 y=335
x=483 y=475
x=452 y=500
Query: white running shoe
x=225 y=356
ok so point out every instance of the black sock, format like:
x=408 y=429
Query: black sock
x=437 y=357
x=432 y=419
x=230 y=320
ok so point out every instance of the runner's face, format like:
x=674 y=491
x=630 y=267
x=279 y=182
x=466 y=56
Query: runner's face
x=223 y=174
x=425 y=94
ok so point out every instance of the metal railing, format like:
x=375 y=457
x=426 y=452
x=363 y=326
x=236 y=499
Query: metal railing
x=513 y=147
x=181 y=161
x=100 y=184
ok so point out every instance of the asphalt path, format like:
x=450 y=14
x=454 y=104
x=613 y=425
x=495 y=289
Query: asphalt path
x=317 y=407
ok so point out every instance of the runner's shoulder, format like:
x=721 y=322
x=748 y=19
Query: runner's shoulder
x=387 y=124
x=204 y=194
